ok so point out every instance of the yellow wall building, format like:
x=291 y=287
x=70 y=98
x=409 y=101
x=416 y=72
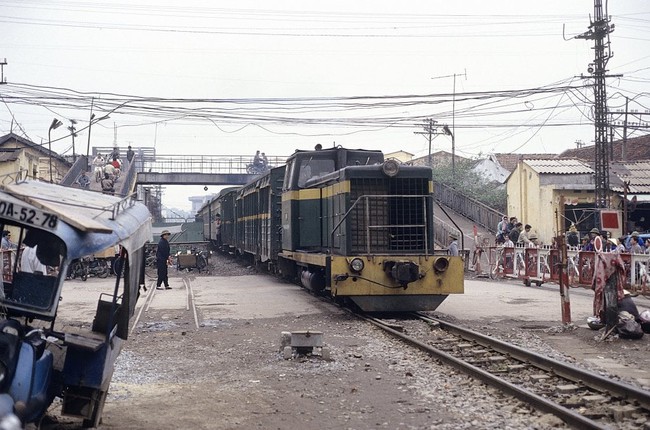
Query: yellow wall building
x=550 y=194
x=17 y=153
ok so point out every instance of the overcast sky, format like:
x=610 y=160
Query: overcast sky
x=230 y=77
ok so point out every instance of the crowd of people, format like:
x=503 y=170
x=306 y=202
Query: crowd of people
x=633 y=243
x=511 y=232
x=106 y=170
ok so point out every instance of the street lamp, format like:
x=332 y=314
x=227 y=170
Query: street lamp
x=90 y=124
x=55 y=124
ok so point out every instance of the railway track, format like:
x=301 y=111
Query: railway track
x=580 y=398
x=179 y=299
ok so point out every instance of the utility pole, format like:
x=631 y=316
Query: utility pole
x=73 y=133
x=3 y=63
x=624 y=143
x=452 y=132
x=599 y=31
x=430 y=131
x=632 y=120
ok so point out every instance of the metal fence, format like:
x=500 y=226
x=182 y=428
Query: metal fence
x=540 y=265
x=470 y=208
x=209 y=164
x=81 y=165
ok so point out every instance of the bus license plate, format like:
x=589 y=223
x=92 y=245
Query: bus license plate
x=29 y=216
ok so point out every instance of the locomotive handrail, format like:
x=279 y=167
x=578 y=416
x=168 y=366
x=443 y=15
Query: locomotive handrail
x=368 y=226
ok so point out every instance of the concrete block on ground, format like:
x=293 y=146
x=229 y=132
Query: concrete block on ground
x=567 y=389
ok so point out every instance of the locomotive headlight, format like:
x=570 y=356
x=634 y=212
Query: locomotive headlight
x=356 y=265
x=441 y=265
x=390 y=168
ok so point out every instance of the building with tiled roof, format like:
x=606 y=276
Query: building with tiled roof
x=635 y=148
x=541 y=190
x=509 y=161
x=18 y=153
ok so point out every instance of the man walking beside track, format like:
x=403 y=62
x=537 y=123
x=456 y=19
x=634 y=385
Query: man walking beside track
x=162 y=260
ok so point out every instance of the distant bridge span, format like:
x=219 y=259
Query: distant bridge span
x=181 y=178
x=197 y=169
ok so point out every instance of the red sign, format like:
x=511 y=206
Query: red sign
x=609 y=220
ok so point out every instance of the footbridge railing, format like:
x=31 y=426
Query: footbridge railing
x=209 y=164
x=470 y=208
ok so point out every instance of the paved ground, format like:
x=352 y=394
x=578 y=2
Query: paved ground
x=206 y=355
x=219 y=298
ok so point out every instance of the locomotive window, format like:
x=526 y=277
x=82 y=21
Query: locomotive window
x=313 y=168
x=288 y=174
x=364 y=159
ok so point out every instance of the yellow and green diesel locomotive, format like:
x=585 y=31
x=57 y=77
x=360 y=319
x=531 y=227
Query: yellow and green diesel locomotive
x=351 y=224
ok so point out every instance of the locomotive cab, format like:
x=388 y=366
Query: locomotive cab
x=312 y=170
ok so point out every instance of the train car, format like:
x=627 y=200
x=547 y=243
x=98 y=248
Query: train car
x=362 y=229
x=258 y=217
x=228 y=220
x=218 y=216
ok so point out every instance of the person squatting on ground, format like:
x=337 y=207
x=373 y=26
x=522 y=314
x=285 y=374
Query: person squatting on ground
x=162 y=261
x=83 y=181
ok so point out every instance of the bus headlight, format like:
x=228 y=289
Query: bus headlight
x=356 y=265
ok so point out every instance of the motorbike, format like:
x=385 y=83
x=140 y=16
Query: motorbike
x=98 y=267
x=78 y=269
x=30 y=376
x=256 y=169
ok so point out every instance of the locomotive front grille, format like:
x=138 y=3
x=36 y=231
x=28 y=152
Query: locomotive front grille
x=390 y=215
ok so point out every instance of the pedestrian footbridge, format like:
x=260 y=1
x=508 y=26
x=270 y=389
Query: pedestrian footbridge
x=149 y=168
x=198 y=169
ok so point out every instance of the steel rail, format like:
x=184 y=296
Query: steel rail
x=540 y=403
x=564 y=370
